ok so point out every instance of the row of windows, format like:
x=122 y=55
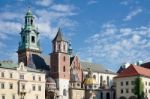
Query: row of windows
x=23 y=87
x=2 y=85
x=14 y=97
x=32 y=39
x=3 y=96
x=126 y=91
x=147 y=83
x=126 y=83
x=132 y=91
x=21 y=76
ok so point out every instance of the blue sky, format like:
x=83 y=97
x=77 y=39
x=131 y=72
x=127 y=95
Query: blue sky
x=108 y=32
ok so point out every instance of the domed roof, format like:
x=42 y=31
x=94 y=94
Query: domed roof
x=50 y=80
x=90 y=81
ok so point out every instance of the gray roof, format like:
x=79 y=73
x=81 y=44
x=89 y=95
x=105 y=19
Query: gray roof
x=59 y=36
x=14 y=66
x=95 y=67
x=41 y=62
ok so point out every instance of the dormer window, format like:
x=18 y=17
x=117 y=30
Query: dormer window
x=33 y=39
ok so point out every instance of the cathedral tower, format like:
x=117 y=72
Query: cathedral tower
x=60 y=64
x=29 y=40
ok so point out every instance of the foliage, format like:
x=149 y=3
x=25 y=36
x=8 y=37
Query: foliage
x=139 y=88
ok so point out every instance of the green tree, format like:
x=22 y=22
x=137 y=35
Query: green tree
x=139 y=88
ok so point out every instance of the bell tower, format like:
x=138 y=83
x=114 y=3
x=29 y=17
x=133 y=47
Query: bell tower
x=60 y=64
x=29 y=43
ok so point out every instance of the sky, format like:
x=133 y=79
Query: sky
x=107 y=32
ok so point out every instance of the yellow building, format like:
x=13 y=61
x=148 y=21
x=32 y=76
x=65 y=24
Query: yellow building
x=21 y=82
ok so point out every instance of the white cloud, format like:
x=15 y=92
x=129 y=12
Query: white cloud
x=90 y=2
x=121 y=44
x=132 y=14
x=63 y=7
x=44 y=2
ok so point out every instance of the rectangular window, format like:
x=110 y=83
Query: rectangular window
x=10 y=75
x=127 y=82
x=2 y=86
x=3 y=96
x=39 y=78
x=33 y=87
x=39 y=88
x=33 y=77
x=23 y=86
x=127 y=91
x=10 y=86
x=146 y=83
x=21 y=76
x=33 y=39
x=121 y=91
x=2 y=74
x=13 y=96
x=37 y=97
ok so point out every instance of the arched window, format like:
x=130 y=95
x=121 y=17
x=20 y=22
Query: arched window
x=64 y=69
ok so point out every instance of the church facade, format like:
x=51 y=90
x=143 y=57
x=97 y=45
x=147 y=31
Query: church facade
x=66 y=75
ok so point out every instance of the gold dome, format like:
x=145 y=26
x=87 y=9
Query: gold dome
x=89 y=81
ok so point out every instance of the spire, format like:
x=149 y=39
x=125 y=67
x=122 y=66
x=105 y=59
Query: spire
x=29 y=18
x=59 y=36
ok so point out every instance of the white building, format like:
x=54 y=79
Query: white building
x=125 y=82
x=21 y=82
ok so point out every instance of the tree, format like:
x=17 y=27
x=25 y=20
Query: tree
x=139 y=88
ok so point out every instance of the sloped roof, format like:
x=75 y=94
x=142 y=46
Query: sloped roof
x=95 y=67
x=59 y=36
x=41 y=62
x=146 y=65
x=14 y=66
x=133 y=70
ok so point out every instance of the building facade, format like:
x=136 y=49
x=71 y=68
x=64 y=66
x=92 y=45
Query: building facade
x=21 y=82
x=125 y=82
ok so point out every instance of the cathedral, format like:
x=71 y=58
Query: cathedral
x=67 y=77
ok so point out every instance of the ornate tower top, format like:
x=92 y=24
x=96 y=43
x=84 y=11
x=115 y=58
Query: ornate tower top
x=29 y=35
x=29 y=43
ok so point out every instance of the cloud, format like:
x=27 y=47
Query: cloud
x=44 y=2
x=63 y=7
x=90 y=2
x=117 y=45
x=132 y=14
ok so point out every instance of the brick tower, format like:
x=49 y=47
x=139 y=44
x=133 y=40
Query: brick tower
x=60 y=64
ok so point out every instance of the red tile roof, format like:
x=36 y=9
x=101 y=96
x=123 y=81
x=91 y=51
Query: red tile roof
x=133 y=70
